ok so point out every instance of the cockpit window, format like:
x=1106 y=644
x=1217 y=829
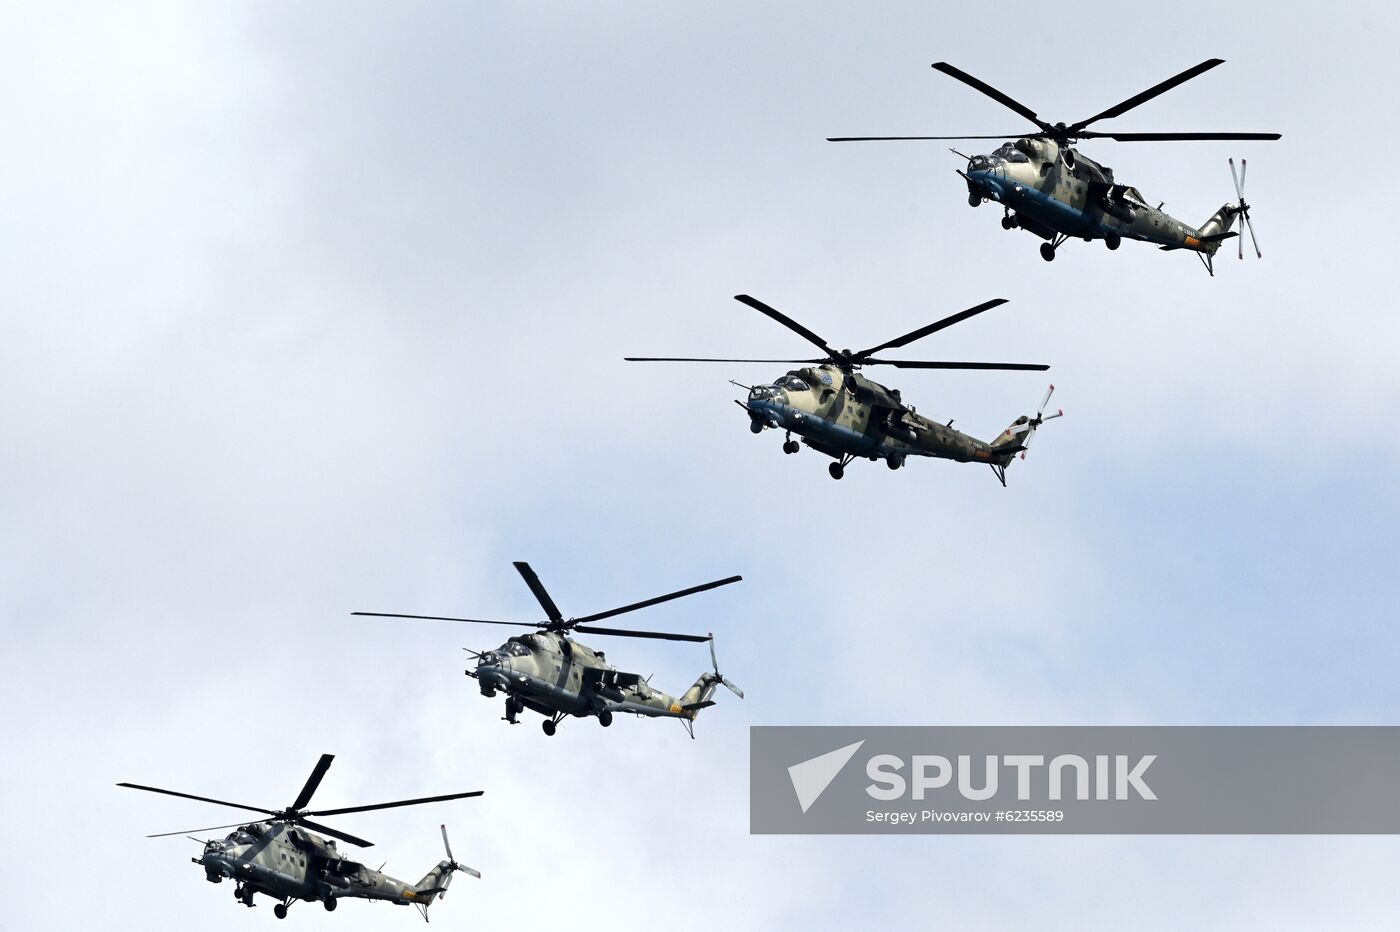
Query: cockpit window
x=792 y=383
x=517 y=649
x=1009 y=152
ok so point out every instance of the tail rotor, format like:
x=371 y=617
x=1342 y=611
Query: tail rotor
x=719 y=677
x=452 y=862
x=1244 y=207
x=1029 y=428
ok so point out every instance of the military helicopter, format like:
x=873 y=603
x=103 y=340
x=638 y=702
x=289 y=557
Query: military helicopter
x=280 y=858
x=842 y=414
x=551 y=673
x=1048 y=188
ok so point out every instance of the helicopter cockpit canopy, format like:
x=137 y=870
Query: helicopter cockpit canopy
x=516 y=647
x=1011 y=152
x=240 y=837
x=789 y=383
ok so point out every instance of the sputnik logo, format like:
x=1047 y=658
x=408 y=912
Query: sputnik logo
x=811 y=777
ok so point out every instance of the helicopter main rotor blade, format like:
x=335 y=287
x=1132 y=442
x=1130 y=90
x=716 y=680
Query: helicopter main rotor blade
x=208 y=828
x=203 y=799
x=712 y=359
x=786 y=321
x=447 y=844
x=312 y=782
x=656 y=635
x=656 y=601
x=1177 y=137
x=927 y=364
x=1139 y=99
x=335 y=833
x=1016 y=135
x=537 y=588
x=934 y=327
x=396 y=804
x=475 y=621
x=985 y=88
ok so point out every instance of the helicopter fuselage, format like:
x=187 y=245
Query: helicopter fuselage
x=288 y=862
x=555 y=675
x=1054 y=192
x=845 y=415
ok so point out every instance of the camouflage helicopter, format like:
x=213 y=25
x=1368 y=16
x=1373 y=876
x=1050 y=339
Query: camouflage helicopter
x=1048 y=188
x=280 y=858
x=551 y=673
x=842 y=414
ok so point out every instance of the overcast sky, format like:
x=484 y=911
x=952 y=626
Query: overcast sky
x=310 y=308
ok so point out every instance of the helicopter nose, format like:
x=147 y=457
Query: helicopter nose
x=493 y=672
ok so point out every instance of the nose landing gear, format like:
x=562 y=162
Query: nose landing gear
x=1009 y=222
x=1112 y=240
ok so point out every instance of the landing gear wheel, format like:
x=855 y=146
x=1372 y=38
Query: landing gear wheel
x=330 y=904
x=1113 y=240
x=1009 y=222
x=548 y=726
x=755 y=427
x=1047 y=252
x=791 y=446
x=974 y=200
x=605 y=718
x=280 y=910
x=836 y=470
x=894 y=462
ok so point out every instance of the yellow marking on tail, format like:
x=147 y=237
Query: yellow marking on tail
x=1192 y=242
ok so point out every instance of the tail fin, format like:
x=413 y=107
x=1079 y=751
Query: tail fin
x=433 y=884
x=1010 y=440
x=1217 y=228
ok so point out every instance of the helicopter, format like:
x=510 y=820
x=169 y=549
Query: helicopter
x=1046 y=187
x=842 y=414
x=282 y=858
x=551 y=673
